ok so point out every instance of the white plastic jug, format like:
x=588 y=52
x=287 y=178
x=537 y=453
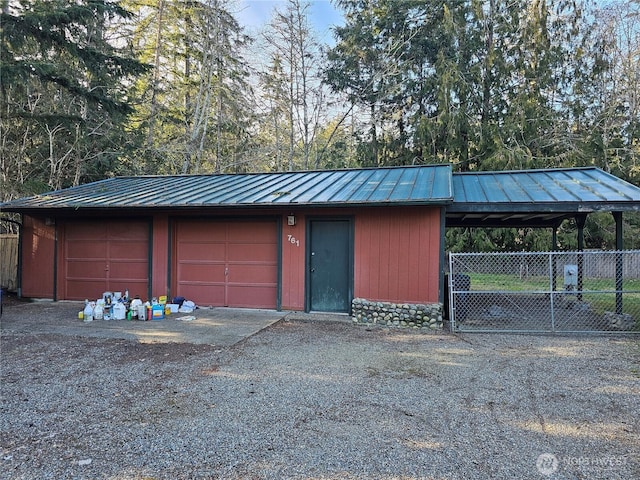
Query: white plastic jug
x=98 y=312
x=119 y=311
x=135 y=303
x=87 y=313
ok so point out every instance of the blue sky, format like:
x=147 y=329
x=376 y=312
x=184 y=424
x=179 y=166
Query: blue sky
x=322 y=14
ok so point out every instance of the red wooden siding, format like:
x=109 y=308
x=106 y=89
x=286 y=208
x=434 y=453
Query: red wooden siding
x=397 y=254
x=293 y=264
x=160 y=260
x=101 y=256
x=38 y=254
x=224 y=262
x=227 y=263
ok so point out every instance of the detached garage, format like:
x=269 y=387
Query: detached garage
x=311 y=241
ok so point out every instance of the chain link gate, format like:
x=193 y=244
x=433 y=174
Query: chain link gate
x=591 y=291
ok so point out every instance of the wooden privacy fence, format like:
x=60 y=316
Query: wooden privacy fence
x=8 y=261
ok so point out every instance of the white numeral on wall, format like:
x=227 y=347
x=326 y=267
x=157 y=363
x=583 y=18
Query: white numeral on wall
x=293 y=240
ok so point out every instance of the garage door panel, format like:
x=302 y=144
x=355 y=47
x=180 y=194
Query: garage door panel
x=87 y=250
x=128 y=269
x=253 y=274
x=252 y=232
x=203 y=232
x=90 y=288
x=85 y=269
x=251 y=252
x=128 y=231
x=251 y=296
x=203 y=294
x=91 y=231
x=135 y=287
x=199 y=272
x=211 y=252
x=128 y=251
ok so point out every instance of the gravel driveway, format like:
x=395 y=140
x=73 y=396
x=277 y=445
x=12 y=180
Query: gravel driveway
x=321 y=400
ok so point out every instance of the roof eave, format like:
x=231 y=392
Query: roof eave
x=560 y=207
x=43 y=210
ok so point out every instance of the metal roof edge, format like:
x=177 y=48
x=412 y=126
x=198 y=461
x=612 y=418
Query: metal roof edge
x=30 y=210
x=617 y=179
x=295 y=172
x=52 y=192
x=576 y=206
x=534 y=170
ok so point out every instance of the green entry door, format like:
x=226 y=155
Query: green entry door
x=330 y=266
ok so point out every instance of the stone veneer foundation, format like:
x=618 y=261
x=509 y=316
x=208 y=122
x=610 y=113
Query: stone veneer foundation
x=407 y=315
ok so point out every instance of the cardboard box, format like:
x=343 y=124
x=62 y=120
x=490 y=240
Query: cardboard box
x=173 y=307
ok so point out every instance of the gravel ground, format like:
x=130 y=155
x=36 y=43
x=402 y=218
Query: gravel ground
x=321 y=400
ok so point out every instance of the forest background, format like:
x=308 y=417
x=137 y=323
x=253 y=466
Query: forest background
x=91 y=89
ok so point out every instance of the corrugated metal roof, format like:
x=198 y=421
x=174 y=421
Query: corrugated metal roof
x=394 y=185
x=536 y=198
x=552 y=186
x=551 y=193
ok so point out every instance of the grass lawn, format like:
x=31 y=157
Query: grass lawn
x=513 y=283
x=603 y=300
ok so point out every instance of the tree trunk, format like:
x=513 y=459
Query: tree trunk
x=487 y=77
x=156 y=76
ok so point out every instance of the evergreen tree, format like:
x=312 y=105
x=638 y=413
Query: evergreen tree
x=480 y=84
x=62 y=93
x=608 y=117
x=195 y=106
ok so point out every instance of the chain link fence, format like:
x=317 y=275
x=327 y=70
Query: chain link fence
x=590 y=291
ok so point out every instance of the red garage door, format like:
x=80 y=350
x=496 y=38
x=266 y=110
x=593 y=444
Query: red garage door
x=230 y=264
x=105 y=256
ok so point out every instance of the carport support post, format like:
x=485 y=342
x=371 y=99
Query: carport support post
x=619 y=246
x=581 y=219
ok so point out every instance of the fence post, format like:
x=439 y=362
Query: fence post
x=554 y=248
x=552 y=287
x=618 y=218
x=452 y=315
x=580 y=221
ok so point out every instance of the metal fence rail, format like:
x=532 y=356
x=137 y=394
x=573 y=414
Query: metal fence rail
x=591 y=291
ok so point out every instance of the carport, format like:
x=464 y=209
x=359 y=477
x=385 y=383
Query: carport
x=540 y=199
x=543 y=199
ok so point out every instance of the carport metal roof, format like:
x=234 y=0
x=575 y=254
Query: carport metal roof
x=536 y=198
x=413 y=185
x=527 y=198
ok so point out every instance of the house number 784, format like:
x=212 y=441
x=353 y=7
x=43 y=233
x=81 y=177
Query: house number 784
x=293 y=240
